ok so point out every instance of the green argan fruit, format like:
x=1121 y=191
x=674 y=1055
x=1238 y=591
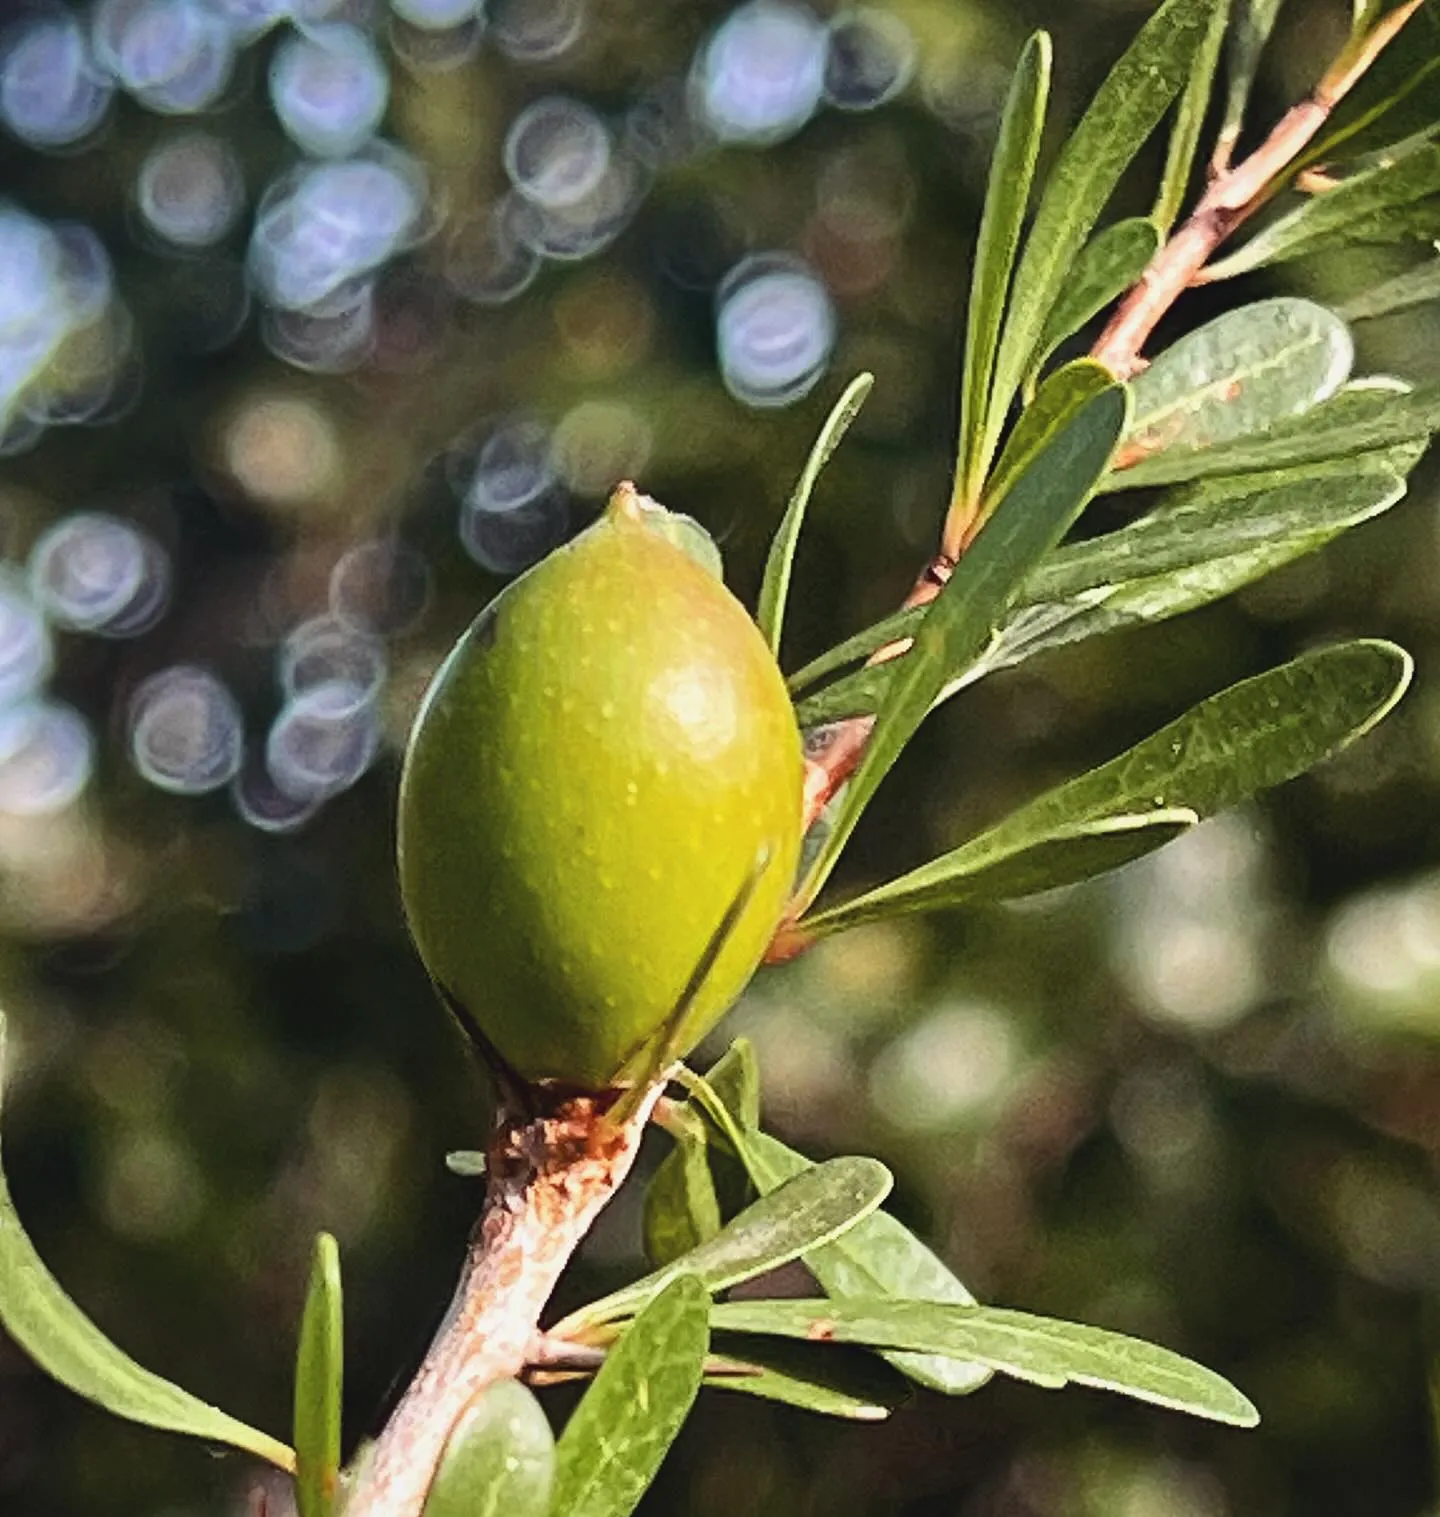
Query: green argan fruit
x=598 y=769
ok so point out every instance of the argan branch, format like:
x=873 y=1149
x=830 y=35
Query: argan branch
x=549 y=1177
x=834 y=752
x=1232 y=198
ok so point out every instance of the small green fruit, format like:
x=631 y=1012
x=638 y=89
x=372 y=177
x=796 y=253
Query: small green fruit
x=594 y=775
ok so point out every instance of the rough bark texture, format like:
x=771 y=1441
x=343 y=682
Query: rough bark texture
x=550 y=1176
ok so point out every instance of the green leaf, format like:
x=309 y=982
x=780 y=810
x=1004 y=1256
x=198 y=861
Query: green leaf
x=735 y=1078
x=1065 y=856
x=1007 y=193
x=1104 y=269
x=832 y=1381
x=467 y=1163
x=1256 y=734
x=1238 y=375
x=1034 y=515
x=68 y=1346
x=1393 y=202
x=1056 y=402
x=889 y=629
x=1361 y=418
x=879 y=1256
x=614 y=1444
x=696 y=1188
x=1201 y=546
x=1249 y=32
x=1125 y=111
x=775 y=588
x=1202 y=543
x=319 y=1375
x=1395 y=100
x=499 y=1460
x=1189 y=119
x=1216 y=520
x=682 y=1209
x=809 y=1210
x=1414 y=287
x=1035 y=1349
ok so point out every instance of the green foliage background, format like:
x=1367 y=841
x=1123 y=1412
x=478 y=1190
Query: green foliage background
x=1199 y=1102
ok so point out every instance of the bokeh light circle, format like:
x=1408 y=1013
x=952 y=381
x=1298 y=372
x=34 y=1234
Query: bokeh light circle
x=436 y=15
x=535 y=31
x=190 y=189
x=331 y=223
x=760 y=77
x=174 y=56
x=47 y=754
x=775 y=330
x=51 y=93
x=187 y=735
x=323 y=740
x=871 y=58
x=556 y=152
x=25 y=646
x=381 y=588
x=329 y=88
x=327 y=651
x=96 y=573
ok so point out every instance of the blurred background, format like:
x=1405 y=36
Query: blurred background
x=320 y=318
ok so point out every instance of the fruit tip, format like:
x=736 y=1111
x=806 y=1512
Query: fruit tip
x=625 y=503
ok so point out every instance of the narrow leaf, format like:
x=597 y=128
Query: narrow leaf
x=1063 y=857
x=832 y=1381
x=319 y=1375
x=1256 y=734
x=1215 y=520
x=775 y=588
x=1254 y=21
x=682 y=1210
x=613 y=1445
x=1201 y=544
x=807 y=1211
x=70 y=1348
x=735 y=1078
x=1035 y=514
x=1390 y=203
x=1360 y=419
x=1396 y=99
x=1007 y=193
x=1055 y=403
x=1414 y=287
x=1189 y=119
x=1125 y=111
x=1112 y=261
x=1036 y=1349
x=499 y=1460
x=880 y=1256
x=1237 y=375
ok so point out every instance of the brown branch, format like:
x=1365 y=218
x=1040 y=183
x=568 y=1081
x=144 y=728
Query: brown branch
x=1233 y=197
x=550 y=1176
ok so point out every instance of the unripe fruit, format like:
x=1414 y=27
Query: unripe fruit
x=595 y=773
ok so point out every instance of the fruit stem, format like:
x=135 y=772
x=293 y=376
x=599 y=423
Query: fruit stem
x=549 y=1176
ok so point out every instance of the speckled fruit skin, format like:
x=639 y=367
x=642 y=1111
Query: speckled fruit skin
x=593 y=774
